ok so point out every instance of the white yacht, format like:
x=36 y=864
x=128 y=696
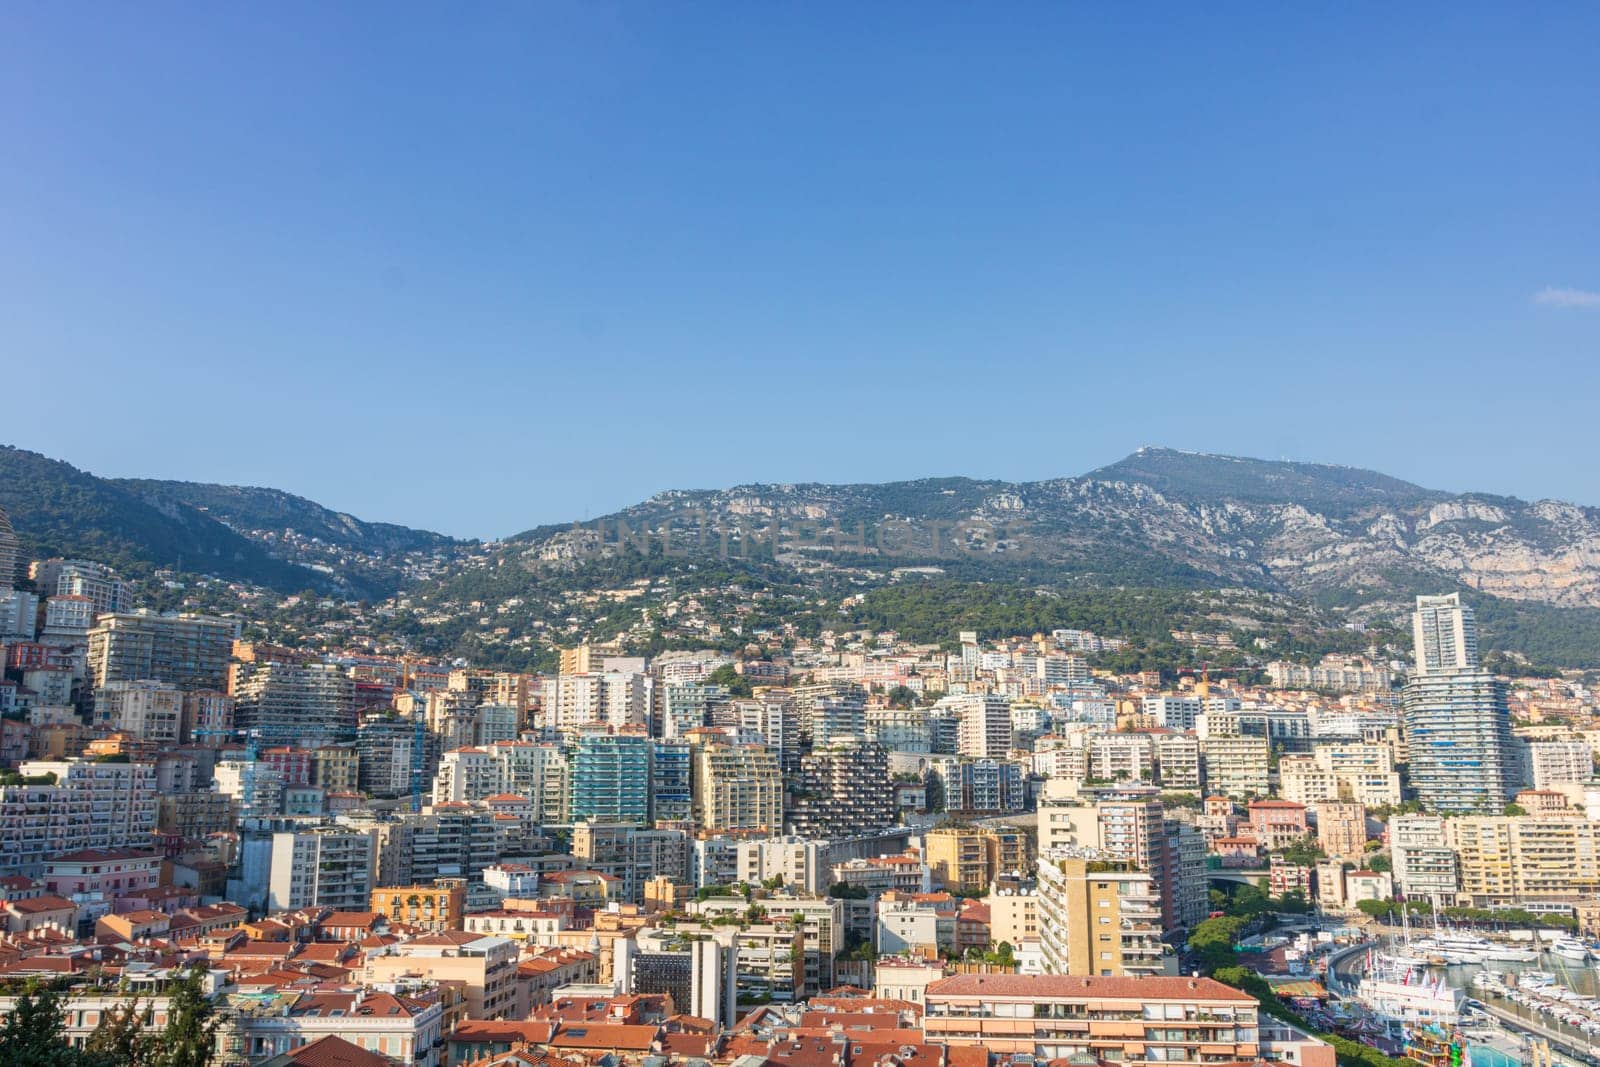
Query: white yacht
x=1403 y=992
x=1499 y=952
x=1452 y=947
x=1570 y=948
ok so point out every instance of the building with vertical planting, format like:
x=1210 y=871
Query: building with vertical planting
x=842 y=791
x=293 y=701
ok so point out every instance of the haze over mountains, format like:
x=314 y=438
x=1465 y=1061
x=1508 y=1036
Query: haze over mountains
x=1157 y=518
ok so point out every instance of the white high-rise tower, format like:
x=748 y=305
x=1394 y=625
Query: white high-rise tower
x=1445 y=635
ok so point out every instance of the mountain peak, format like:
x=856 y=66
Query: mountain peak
x=1208 y=476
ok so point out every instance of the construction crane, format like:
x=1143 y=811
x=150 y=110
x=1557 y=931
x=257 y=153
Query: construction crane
x=419 y=735
x=1203 y=686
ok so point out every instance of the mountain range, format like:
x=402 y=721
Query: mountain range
x=260 y=536
x=1160 y=518
x=1163 y=516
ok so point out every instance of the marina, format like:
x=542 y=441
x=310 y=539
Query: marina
x=1533 y=1001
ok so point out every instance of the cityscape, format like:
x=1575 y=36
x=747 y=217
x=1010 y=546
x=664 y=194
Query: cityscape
x=844 y=845
x=613 y=534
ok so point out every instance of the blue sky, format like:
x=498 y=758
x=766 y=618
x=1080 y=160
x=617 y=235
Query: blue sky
x=478 y=269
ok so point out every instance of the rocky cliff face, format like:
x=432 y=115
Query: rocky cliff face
x=1298 y=527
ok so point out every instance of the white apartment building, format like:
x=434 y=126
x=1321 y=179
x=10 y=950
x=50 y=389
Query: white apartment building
x=322 y=867
x=984 y=729
x=1552 y=764
x=148 y=710
x=1172 y=712
x=90 y=805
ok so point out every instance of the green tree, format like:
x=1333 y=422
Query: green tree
x=1294 y=902
x=729 y=678
x=33 y=1035
x=902 y=697
x=1213 y=939
x=1303 y=852
x=190 y=1038
x=121 y=1038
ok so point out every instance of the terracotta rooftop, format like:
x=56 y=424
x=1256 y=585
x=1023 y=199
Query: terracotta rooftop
x=331 y=1051
x=588 y=1035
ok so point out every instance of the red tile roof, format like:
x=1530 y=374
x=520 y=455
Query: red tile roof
x=489 y=1031
x=333 y=1051
x=588 y=1035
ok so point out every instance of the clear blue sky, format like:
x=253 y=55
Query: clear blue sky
x=475 y=267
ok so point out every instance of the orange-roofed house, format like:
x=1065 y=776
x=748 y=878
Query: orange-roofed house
x=331 y=1051
x=477 y=1039
x=1277 y=823
x=436 y=908
x=486 y=967
x=351 y=925
x=628 y=1042
x=132 y=925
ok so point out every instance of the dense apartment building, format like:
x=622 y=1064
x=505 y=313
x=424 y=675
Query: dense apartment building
x=147 y=710
x=445 y=841
x=336 y=768
x=191 y=817
x=843 y=791
x=1340 y=673
x=980 y=786
x=1457 y=717
x=292 y=701
x=94 y=582
x=1237 y=767
x=207 y=718
x=1132 y=829
x=1098 y=917
x=1172 y=712
x=1444 y=635
x=89 y=805
x=10 y=552
x=1341 y=829
x=1424 y=861
x=737 y=788
x=435 y=907
x=321 y=867
x=1458 y=737
x=608 y=778
x=1357 y=772
x=984 y=725
x=963 y=859
x=190 y=651
x=631 y=854
x=484 y=968
x=1173 y=1021
x=1178 y=763
x=1526 y=860
x=671 y=781
x=1551 y=764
